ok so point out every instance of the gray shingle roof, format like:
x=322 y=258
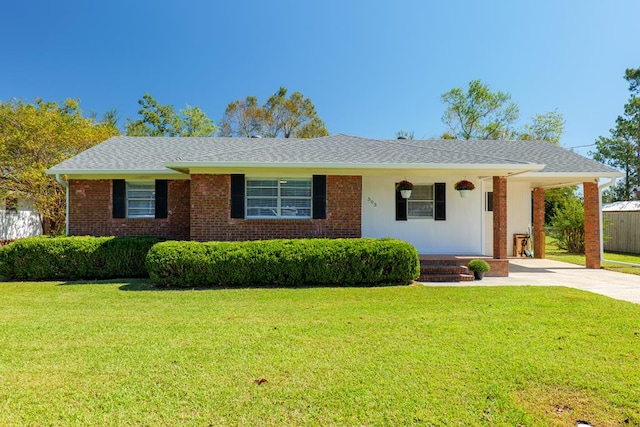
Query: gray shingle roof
x=132 y=154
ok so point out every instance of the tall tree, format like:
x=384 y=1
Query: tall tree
x=544 y=127
x=243 y=118
x=163 y=120
x=196 y=123
x=479 y=113
x=622 y=148
x=34 y=137
x=280 y=117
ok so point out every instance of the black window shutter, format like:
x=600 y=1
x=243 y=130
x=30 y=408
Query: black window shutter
x=237 y=195
x=401 y=206
x=319 y=196
x=440 y=196
x=161 y=198
x=119 y=198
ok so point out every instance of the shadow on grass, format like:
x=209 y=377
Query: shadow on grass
x=515 y=268
x=138 y=285
x=146 y=285
x=128 y=283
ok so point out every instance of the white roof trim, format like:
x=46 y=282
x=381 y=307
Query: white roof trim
x=573 y=175
x=526 y=167
x=113 y=172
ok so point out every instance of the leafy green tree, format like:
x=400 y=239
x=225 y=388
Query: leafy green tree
x=619 y=151
x=243 y=118
x=163 y=120
x=280 y=117
x=196 y=123
x=622 y=148
x=549 y=127
x=568 y=223
x=544 y=127
x=35 y=137
x=555 y=199
x=479 y=113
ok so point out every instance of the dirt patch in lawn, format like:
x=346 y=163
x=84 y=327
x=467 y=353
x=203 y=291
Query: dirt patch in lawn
x=564 y=407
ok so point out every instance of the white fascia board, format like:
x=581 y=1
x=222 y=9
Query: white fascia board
x=112 y=172
x=525 y=167
x=588 y=175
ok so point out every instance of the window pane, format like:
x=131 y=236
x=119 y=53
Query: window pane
x=262 y=207
x=141 y=200
x=262 y=203
x=419 y=209
x=262 y=183
x=295 y=189
x=422 y=192
x=296 y=207
x=286 y=198
x=255 y=212
x=262 y=191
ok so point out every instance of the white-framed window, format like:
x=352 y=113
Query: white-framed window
x=278 y=198
x=141 y=199
x=420 y=204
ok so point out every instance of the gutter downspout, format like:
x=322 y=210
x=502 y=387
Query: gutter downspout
x=65 y=184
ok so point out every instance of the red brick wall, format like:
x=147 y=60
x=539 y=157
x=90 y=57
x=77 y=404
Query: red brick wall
x=592 y=224
x=500 y=217
x=211 y=219
x=538 y=222
x=90 y=212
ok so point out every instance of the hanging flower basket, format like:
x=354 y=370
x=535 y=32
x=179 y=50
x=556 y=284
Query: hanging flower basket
x=404 y=185
x=405 y=188
x=464 y=187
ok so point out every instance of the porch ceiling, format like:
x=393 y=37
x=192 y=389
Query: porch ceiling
x=551 y=180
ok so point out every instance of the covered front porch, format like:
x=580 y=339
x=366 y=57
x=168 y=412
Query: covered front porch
x=453 y=267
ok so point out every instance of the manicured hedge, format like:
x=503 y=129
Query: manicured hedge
x=283 y=263
x=75 y=257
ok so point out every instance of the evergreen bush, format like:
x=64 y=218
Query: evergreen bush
x=293 y=262
x=75 y=257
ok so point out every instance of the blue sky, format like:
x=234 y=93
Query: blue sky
x=371 y=67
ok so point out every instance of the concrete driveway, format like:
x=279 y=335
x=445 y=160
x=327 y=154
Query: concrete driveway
x=544 y=272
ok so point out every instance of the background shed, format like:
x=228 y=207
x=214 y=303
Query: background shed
x=621 y=227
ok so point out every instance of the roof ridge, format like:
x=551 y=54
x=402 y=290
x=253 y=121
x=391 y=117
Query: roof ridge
x=459 y=151
x=276 y=143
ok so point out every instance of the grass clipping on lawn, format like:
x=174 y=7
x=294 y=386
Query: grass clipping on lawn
x=127 y=354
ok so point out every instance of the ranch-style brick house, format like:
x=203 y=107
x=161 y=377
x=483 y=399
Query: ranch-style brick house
x=335 y=186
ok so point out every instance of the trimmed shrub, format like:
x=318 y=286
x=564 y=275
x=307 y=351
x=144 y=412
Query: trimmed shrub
x=293 y=262
x=75 y=257
x=479 y=265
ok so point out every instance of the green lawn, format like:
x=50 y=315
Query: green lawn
x=553 y=252
x=125 y=354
